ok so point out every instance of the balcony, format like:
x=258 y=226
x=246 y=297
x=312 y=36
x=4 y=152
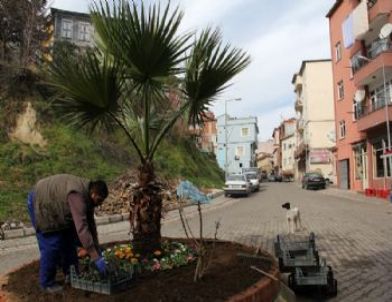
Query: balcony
x=378 y=8
x=367 y=70
x=368 y=118
x=298 y=105
x=301 y=124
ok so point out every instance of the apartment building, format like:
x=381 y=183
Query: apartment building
x=361 y=48
x=237 y=142
x=314 y=105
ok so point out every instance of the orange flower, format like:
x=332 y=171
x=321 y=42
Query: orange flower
x=119 y=254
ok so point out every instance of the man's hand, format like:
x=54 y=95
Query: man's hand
x=101 y=266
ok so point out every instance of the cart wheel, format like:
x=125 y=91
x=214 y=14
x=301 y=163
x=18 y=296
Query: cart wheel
x=332 y=289
x=330 y=274
x=281 y=265
x=290 y=280
x=316 y=255
x=312 y=240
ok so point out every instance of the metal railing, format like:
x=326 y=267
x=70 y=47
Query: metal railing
x=376 y=48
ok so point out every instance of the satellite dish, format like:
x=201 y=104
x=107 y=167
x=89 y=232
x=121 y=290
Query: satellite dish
x=385 y=31
x=359 y=95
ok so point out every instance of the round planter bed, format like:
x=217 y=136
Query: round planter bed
x=229 y=278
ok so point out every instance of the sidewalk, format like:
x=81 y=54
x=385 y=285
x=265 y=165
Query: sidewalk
x=353 y=195
x=110 y=219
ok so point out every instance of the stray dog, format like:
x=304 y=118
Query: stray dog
x=293 y=218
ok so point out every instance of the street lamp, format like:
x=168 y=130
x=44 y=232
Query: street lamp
x=226 y=101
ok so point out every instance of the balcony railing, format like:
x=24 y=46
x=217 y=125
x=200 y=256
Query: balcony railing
x=361 y=110
x=376 y=48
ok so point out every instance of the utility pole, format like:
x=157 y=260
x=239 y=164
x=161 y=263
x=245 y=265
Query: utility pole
x=226 y=140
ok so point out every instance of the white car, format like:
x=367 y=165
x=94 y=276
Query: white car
x=254 y=180
x=237 y=184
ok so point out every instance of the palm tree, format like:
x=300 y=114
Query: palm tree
x=125 y=81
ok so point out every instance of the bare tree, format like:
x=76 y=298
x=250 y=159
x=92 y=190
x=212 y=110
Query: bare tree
x=204 y=250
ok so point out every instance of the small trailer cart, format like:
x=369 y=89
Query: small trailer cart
x=299 y=257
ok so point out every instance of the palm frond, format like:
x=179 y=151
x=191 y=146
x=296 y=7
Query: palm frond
x=90 y=89
x=210 y=67
x=147 y=41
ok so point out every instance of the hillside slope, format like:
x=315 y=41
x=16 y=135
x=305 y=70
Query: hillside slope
x=92 y=156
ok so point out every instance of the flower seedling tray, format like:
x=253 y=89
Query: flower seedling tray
x=112 y=284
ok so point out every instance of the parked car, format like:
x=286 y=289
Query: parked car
x=278 y=178
x=237 y=184
x=313 y=180
x=271 y=177
x=254 y=180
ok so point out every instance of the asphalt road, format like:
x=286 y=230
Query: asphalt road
x=352 y=232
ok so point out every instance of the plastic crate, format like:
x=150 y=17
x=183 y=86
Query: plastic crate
x=296 y=245
x=108 y=286
x=320 y=278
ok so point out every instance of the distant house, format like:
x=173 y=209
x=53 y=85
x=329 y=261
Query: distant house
x=265 y=158
x=74 y=27
x=207 y=141
x=288 y=142
x=239 y=136
x=277 y=153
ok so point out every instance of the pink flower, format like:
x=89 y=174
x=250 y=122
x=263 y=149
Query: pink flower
x=156 y=266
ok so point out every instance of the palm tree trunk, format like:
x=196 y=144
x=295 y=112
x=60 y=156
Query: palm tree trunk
x=145 y=215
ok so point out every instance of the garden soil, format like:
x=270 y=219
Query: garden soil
x=227 y=275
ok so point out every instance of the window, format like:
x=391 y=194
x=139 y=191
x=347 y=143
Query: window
x=66 y=29
x=342 y=129
x=340 y=90
x=338 y=52
x=358 y=110
x=245 y=132
x=84 y=31
x=240 y=151
x=380 y=162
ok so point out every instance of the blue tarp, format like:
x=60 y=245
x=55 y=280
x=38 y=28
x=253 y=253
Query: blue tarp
x=187 y=190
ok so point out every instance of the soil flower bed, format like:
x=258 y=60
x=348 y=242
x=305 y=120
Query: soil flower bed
x=165 y=276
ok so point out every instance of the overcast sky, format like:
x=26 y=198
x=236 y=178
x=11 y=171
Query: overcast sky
x=278 y=35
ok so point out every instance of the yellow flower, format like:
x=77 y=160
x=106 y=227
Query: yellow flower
x=134 y=261
x=157 y=253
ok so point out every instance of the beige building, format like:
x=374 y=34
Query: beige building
x=316 y=119
x=288 y=143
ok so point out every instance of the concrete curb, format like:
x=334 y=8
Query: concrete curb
x=99 y=220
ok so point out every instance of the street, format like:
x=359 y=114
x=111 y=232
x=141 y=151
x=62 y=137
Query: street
x=351 y=232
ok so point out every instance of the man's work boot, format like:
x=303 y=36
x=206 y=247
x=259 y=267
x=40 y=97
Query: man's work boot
x=54 y=289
